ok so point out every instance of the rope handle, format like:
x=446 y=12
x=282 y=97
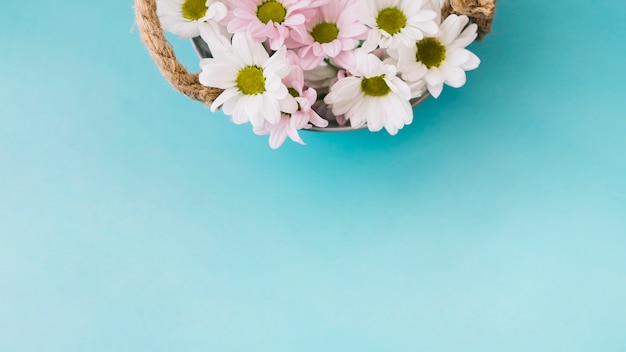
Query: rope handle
x=480 y=11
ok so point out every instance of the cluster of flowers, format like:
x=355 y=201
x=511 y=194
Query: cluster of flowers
x=273 y=58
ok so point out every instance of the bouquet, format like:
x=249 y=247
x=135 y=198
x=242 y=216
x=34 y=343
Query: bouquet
x=288 y=65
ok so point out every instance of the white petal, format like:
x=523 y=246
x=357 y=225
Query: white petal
x=451 y=28
x=457 y=57
x=279 y=63
x=251 y=52
x=435 y=90
x=434 y=77
x=373 y=39
x=472 y=62
x=268 y=109
x=468 y=36
x=218 y=74
x=218 y=44
x=400 y=88
x=376 y=114
x=455 y=76
x=288 y=104
x=225 y=96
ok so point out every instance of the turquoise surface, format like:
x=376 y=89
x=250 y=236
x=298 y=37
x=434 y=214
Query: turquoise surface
x=134 y=219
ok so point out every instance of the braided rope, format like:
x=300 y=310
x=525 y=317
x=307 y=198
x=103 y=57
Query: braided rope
x=163 y=55
x=480 y=11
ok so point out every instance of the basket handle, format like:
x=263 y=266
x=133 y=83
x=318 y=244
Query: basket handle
x=480 y=11
x=163 y=55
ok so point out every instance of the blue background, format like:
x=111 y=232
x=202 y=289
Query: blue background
x=134 y=219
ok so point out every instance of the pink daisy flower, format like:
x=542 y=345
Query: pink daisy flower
x=303 y=118
x=288 y=126
x=332 y=31
x=272 y=20
x=305 y=97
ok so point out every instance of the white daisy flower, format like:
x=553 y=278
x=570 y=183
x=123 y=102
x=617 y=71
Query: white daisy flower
x=441 y=59
x=251 y=80
x=397 y=23
x=374 y=96
x=186 y=18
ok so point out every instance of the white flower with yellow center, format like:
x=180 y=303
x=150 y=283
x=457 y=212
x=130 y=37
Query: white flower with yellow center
x=440 y=59
x=374 y=95
x=395 y=23
x=251 y=80
x=185 y=18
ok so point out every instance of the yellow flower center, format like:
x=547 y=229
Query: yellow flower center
x=430 y=52
x=194 y=10
x=271 y=10
x=250 y=80
x=325 y=32
x=391 y=20
x=375 y=86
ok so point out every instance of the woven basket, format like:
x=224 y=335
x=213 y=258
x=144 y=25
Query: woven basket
x=480 y=12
